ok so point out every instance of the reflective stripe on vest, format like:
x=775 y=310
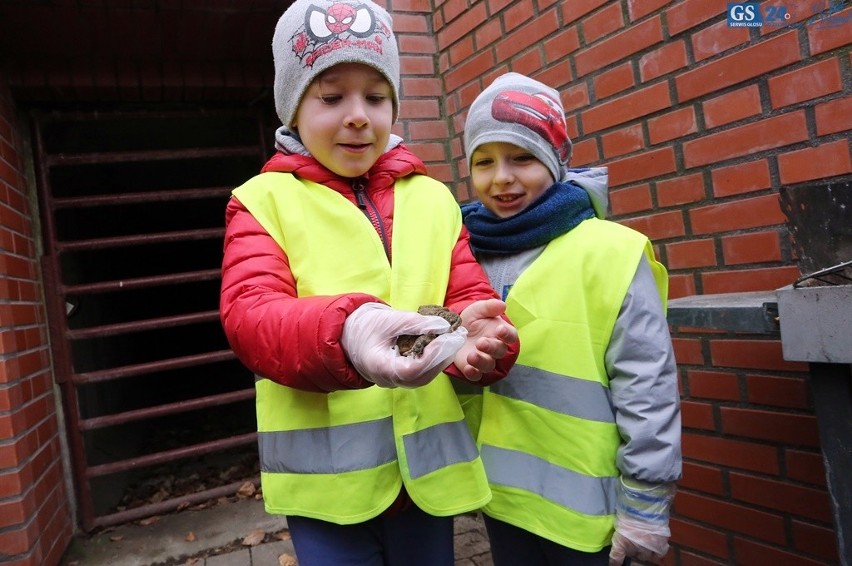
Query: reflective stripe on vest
x=548 y=435
x=359 y=446
x=343 y=456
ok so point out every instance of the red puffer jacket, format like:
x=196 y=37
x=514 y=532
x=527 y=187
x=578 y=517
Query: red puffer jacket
x=296 y=341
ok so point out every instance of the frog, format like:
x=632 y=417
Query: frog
x=412 y=344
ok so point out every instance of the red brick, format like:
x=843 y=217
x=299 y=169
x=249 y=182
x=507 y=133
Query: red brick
x=428 y=151
x=689 y=13
x=752 y=553
x=563 y=43
x=576 y=9
x=623 y=141
x=756 y=247
x=658 y=226
x=698 y=477
x=806 y=83
x=669 y=57
x=613 y=81
x=585 y=152
x=556 y=76
x=834 y=116
x=751 y=354
x=823 y=37
x=745 y=140
x=744 y=280
x=730 y=453
x=748 y=63
x=737 y=215
x=428 y=130
x=410 y=23
x=457 y=53
x=528 y=63
x=677 y=124
x=466 y=72
x=517 y=14
x=458 y=28
x=791 y=392
x=787 y=428
x=638 y=9
x=826 y=160
x=716 y=39
x=603 y=22
x=576 y=96
x=713 y=385
x=815 y=540
x=688 y=351
x=697 y=415
x=805 y=466
x=647 y=165
x=731 y=517
x=698 y=537
x=691 y=253
x=626 y=108
x=781 y=496
x=741 y=178
x=630 y=199
x=421 y=87
x=636 y=38
x=451 y=9
x=527 y=35
x=682 y=189
x=681 y=285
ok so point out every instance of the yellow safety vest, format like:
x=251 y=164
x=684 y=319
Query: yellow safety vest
x=343 y=456
x=548 y=435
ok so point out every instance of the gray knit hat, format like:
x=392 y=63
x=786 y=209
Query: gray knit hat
x=519 y=110
x=314 y=35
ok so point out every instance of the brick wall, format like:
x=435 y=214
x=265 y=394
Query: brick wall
x=699 y=124
x=35 y=518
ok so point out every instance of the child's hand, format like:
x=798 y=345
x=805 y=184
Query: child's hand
x=369 y=340
x=488 y=337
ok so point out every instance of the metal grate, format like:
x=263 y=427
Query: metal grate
x=840 y=274
x=132 y=209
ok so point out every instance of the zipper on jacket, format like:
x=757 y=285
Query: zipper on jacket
x=368 y=207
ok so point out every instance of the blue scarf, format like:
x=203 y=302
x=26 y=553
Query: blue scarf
x=559 y=209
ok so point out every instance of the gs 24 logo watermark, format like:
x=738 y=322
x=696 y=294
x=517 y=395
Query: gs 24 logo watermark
x=748 y=15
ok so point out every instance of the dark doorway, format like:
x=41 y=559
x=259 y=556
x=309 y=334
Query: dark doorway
x=132 y=208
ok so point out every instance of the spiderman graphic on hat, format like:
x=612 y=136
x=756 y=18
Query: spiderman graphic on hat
x=341 y=25
x=539 y=113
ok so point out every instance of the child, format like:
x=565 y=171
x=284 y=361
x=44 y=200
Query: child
x=583 y=436
x=328 y=254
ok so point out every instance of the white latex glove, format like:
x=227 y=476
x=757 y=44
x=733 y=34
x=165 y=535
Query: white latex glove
x=641 y=522
x=645 y=542
x=369 y=340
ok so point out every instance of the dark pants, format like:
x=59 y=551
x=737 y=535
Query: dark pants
x=511 y=546
x=410 y=538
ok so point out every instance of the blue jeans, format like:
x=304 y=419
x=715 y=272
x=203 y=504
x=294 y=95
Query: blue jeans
x=410 y=538
x=512 y=546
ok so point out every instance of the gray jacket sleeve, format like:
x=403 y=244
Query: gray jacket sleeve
x=644 y=385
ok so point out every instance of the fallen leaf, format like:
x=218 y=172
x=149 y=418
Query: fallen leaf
x=246 y=490
x=191 y=561
x=254 y=538
x=190 y=537
x=283 y=535
x=148 y=521
x=183 y=505
x=116 y=538
x=286 y=560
